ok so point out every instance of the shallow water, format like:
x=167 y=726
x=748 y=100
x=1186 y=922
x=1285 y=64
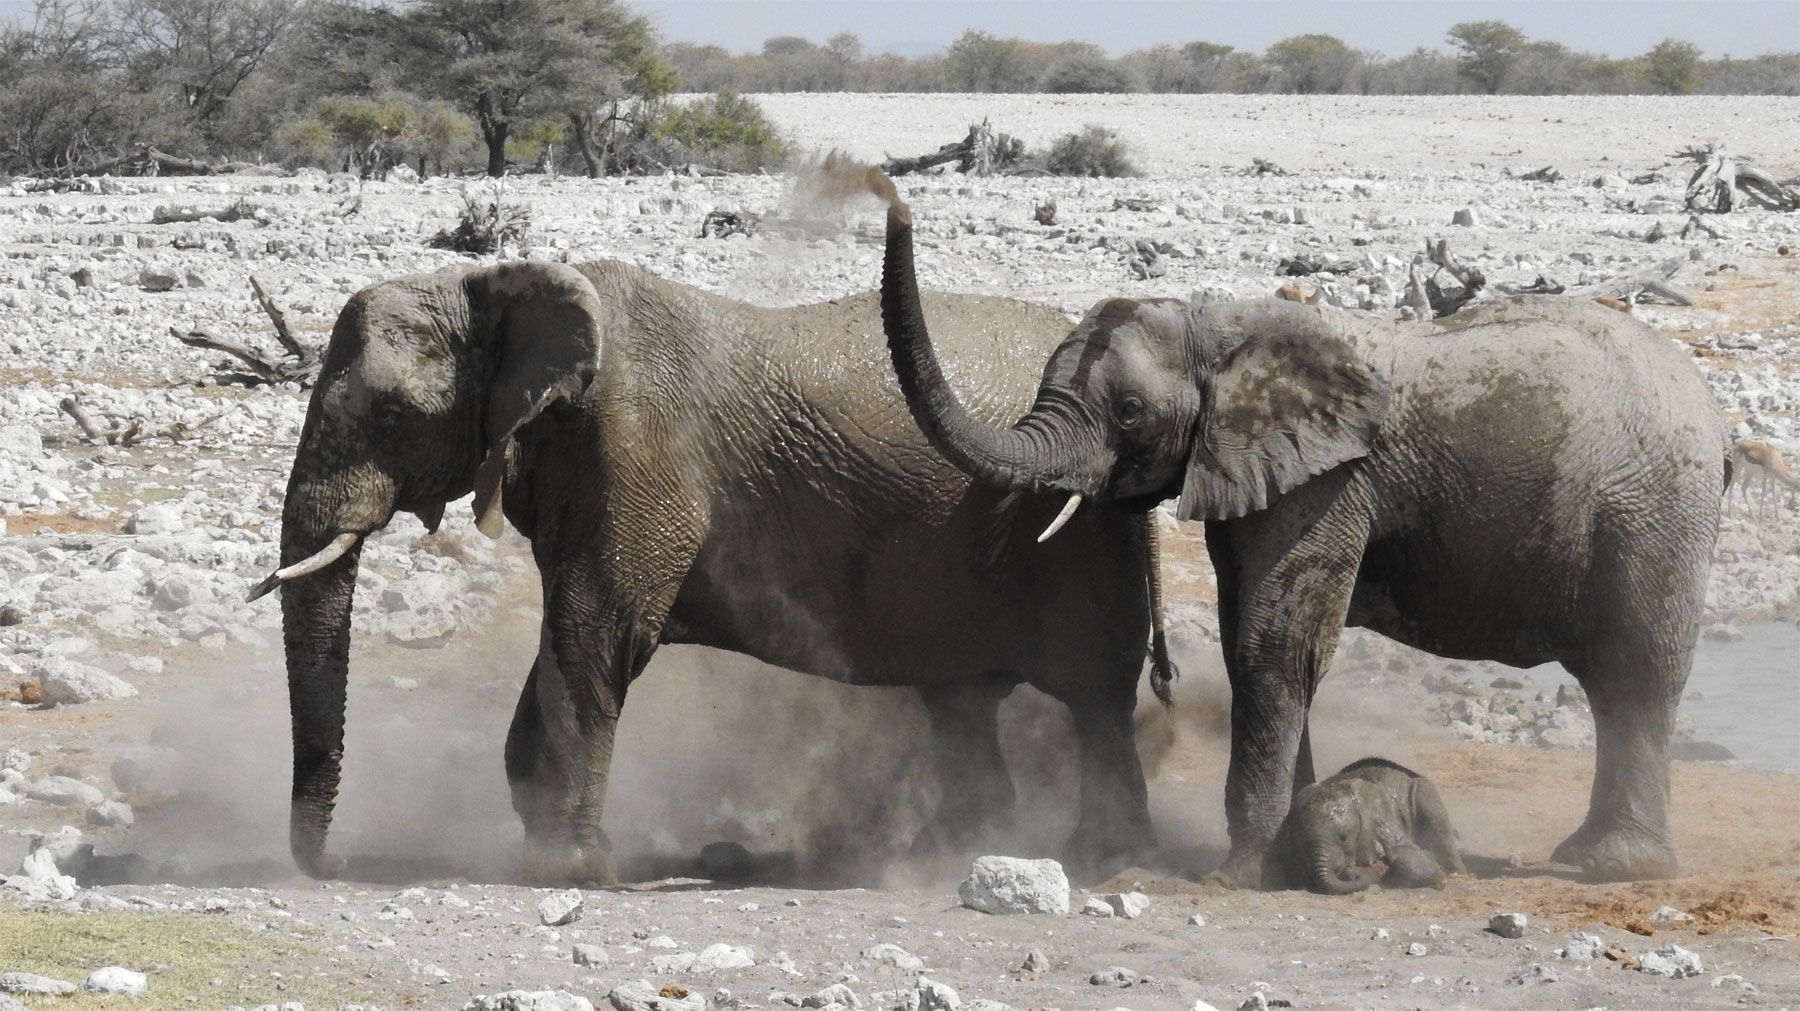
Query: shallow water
x=1749 y=695
x=1744 y=695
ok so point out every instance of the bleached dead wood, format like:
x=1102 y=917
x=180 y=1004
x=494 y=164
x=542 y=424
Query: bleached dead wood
x=120 y=435
x=1440 y=301
x=1720 y=177
x=1656 y=281
x=278 y=316
x=299 y=364
x=981 y=153
x=236 y=211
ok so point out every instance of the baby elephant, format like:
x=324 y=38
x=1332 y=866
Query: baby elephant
x=1373 y=812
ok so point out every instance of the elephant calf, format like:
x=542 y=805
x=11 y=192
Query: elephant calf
x=1373 y=813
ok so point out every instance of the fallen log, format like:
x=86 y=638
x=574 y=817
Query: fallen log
x=237 y=211
x=981 y=153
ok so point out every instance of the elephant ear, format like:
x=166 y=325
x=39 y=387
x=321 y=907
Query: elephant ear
x=540 y=325
x=1288 y=400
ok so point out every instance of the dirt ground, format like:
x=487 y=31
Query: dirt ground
x=823 y=785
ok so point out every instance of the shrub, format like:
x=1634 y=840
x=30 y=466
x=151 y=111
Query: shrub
x=1095 y=151
x=724 y=131
x=485 y=225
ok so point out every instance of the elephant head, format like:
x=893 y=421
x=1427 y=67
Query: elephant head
x=1227 y=405
x=424 y=384
x=1333 y=824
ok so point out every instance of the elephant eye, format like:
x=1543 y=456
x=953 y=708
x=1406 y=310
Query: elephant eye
x=1130 y=411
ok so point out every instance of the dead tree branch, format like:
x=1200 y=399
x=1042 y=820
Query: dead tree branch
x=299 y=363
x=1720 y=177
x=982 y=152
x=278 y=317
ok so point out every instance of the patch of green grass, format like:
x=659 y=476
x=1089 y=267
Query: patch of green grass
x=149 y=495
x=182 y=953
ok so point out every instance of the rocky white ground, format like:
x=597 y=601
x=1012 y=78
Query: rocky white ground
x=122 y=571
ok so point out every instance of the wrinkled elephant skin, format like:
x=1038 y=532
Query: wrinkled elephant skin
x=1535 y=479
x=691 y=469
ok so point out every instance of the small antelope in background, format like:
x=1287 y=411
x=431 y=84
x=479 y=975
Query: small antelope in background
x=1762 y=463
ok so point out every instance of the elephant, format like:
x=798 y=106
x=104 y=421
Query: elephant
x=1373 y=812
x=1537 y=479
x=693 y=469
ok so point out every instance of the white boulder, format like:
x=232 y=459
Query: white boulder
x=1006 y=885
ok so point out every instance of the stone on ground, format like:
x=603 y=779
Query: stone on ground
x=1006 y=885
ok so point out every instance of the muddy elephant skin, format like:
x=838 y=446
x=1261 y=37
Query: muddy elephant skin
x=1373 y=821
x=691 y=469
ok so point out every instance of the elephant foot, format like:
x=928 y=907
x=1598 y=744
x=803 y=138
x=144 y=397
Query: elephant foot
x=1098 y=855
x=1618 y=855
x=1240 y=871
x=564 y=865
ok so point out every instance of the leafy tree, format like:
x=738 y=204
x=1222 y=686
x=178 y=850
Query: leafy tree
x=509 y=63
x=63 y=98
x=1086 y=71
x=202 y=49
x=978 y=61
x=1489 y=50
x=1673 y=67
x=726 y=131
x=1315 y=64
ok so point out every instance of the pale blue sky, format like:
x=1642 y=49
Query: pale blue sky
x=1394 y=27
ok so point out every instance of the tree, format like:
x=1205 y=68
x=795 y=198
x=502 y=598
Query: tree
x=977 y=61
x=203 y=49
x=1672 y=67
x=512 y=62
x=1489 y=50
x=1315 y=64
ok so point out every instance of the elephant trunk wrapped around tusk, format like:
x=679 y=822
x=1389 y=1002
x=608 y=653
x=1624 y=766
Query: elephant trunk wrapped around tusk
x=1056 y=524
x=307 y=566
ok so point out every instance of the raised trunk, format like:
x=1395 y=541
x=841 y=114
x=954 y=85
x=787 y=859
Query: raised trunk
x=1037 y=454
x=1331 y=874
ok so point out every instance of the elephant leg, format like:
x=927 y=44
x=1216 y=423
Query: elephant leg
x=1409 y=866
x=603 y=615
x=976 y=791
x=1634 y=672
x=558 y=755
x=1285 y=579
x=1431 y=827
x=1113 y=831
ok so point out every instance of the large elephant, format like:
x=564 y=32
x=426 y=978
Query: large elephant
x=690 y=469
x=1538 y=480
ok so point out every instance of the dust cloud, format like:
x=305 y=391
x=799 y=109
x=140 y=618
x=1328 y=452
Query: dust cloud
x=819 y=783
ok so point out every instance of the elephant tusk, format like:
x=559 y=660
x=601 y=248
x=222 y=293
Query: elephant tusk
x=307 y=566
x=1056 y=524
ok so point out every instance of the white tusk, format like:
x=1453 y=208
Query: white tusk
x=491 y=519
x=1056 y=524
x=307 y=566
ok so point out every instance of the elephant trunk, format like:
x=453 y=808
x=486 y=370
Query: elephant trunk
x=1331 y=873
x=315 y=613
x=1037 y=454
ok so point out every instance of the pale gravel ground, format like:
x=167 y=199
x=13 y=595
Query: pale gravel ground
x=1374 y=177
x=1172 y=135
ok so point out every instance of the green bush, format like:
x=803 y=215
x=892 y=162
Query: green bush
x=1095 y=151
x=723 y=131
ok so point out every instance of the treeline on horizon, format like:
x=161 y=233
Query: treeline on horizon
x=583 y=85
